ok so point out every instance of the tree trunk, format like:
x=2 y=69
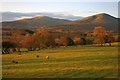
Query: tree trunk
x=13 y=50
x=101 y=45
x=110 y=44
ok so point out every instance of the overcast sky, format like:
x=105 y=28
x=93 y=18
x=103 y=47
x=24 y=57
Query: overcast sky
x=68 y=8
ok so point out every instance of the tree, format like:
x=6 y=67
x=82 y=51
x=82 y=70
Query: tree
x=99 y=35
x=16 y=38
x=66 y=41
x=109 y=38
x=80 y=41
x=43 y=37
x=117 y=38
x=89 y=41
x=77 y=40
x=83 y=41
x=36 y=40
x=27 y=42
x=57 y=41
x=6 y=45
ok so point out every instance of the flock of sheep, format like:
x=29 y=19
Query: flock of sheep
x=16 y=61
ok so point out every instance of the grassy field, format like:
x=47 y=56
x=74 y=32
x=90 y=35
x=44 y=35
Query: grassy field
x=64 y=62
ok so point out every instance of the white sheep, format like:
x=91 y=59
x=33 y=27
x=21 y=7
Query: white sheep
x=47 y=57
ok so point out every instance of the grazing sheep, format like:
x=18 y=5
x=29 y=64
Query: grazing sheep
x=14 y=61
x=47 y=57
x=19 y=54
x=37 y=56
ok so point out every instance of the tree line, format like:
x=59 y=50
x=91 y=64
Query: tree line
x=44 y=39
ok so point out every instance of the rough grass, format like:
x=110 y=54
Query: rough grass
x=64 y=62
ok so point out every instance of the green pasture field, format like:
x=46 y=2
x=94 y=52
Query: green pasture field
x=64 y=62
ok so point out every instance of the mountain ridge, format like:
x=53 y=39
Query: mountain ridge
x=35 y=22
x=102 y=19
x=12 y=16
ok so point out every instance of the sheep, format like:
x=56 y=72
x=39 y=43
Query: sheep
x=37 y=55
x=14 y=61
x=19 y=54
x=8 y=68
x=47 y=57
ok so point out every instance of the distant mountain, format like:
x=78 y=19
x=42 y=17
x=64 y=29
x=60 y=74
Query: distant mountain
x=102 y=19
x=34 y=22
x=87 y=23
x=12 y=16
x=98 y=18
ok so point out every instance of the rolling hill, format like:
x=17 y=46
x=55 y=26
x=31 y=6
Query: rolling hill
x=102 y=19
x=98 y=18
x=34 y=22
x=12 y=16
x=88 y=23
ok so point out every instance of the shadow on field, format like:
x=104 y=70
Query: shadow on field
x=60 y=79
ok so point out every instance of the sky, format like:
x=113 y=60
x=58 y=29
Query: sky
x=59 y=0
x=67 y=8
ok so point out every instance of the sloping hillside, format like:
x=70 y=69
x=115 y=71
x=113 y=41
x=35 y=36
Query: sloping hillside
x=98 y=18
x=34 y=22
x=88 y=23
x=103 y=19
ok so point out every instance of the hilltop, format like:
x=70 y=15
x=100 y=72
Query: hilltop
x=88 y=23
x=34 y=22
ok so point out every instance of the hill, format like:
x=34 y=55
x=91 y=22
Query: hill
x=34 y=22
x=87 y=23
x=98 y=18
x=12 y=16
x=103 y=19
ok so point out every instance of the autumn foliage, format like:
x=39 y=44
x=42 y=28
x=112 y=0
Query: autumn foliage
x=42 y=38
x=99 y=35
x=65 y=41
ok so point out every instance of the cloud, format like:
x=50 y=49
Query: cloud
x=11 y=16
x=23 y=17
